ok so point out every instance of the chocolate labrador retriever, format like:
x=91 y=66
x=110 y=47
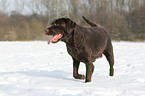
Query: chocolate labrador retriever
x=83 y=44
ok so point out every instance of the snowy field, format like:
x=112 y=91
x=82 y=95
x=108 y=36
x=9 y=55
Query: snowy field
x=37 y=69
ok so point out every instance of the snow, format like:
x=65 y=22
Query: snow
x=36 y=69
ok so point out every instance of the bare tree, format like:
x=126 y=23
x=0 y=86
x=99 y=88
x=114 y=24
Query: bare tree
x=20 y=4
x=37 y=7
x=31 y=5
x=4 y=6
x=55 y=8
x=67 y=7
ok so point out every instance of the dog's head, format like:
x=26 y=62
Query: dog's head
x=60 y=28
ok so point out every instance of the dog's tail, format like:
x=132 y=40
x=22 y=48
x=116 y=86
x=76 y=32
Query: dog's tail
x=89 y=22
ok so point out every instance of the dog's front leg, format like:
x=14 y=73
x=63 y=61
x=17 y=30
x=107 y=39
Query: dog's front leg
x=76 y=64
x=89 y=71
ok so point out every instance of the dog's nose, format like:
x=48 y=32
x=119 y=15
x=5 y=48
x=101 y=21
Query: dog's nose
x=46 y=30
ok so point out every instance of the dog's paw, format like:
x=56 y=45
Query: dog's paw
x=83 y=76
x=79 y=76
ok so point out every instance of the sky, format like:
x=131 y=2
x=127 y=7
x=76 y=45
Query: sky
x=12 y=6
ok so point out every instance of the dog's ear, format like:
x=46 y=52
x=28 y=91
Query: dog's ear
x=70 y=25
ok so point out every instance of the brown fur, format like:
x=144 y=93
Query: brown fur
x=84 y=44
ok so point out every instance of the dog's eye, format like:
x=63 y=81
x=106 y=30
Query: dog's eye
x=56 y=24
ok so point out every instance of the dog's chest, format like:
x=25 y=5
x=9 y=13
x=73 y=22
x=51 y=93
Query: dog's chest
x=72 y=50
x=77 y=53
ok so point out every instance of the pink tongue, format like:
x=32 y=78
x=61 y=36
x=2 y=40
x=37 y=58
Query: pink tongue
x=55 y=38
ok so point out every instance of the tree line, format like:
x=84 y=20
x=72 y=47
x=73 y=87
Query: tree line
x=124 y=19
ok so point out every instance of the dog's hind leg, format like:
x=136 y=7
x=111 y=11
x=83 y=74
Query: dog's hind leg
x=76 y=64
x=110 y=57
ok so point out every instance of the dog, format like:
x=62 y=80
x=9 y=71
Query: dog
x=83 y=44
